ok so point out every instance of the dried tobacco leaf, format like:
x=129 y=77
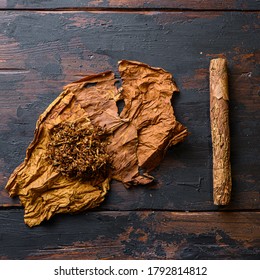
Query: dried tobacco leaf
x=60 y=174
x=151 y=126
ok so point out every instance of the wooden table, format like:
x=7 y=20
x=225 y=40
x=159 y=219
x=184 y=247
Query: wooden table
x=44 y=46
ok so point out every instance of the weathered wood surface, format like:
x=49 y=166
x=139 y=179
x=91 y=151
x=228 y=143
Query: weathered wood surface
x=41 y=51
x=136 y=4
x=132 y=235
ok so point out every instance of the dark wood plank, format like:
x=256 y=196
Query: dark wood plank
x=132 y=235
x=42 y=51
x=126 y=4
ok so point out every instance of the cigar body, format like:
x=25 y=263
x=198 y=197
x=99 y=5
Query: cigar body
x=219 y=119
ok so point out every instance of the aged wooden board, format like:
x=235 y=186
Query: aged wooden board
x=42 y=51
x=126 y=4
x=47 y=44
x=132 y=235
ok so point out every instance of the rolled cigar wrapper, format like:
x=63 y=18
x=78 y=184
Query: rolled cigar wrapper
x=219 y=119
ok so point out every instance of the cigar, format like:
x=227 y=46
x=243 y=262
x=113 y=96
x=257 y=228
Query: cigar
x=219 y=120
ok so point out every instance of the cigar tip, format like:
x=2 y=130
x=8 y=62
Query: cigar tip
x=219 y=59
x=218 y=63
x=221 y=200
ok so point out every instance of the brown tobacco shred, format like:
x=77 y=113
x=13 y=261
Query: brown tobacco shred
x=81 y=142
x=78 y=151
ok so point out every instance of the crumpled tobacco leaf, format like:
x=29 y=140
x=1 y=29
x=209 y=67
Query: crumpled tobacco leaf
x=136 y=139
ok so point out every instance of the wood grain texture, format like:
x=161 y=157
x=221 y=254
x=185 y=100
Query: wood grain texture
x=132 y=235
x=52 y=49
x=41 y=51
x=133 y=4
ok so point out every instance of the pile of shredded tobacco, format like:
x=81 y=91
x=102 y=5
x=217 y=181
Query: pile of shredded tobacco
x=79 y=151
x=81 y=142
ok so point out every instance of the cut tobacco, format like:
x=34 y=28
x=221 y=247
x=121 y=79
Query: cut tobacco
x=79 y=150
x=81 y=142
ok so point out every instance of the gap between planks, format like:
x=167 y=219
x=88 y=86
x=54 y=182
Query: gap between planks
x=8 y=71
x=125 y=10
x=100 y=211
